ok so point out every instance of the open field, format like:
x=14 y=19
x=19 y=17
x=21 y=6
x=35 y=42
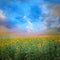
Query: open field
x=45 y=47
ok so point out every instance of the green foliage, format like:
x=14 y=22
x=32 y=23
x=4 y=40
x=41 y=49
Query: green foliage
x=30 y=49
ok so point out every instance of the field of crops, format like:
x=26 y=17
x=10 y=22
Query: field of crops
x=34 y=48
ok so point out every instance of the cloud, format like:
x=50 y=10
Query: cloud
x=29 y=27
x=52 y=21
x=3 y=29
x=45 y=9
x=3 y=19
x=2 y=16
x=17 y=28
x=15 y=32
x=56 y=10
x=48 y=22
x=6 y=25
x=27 y=12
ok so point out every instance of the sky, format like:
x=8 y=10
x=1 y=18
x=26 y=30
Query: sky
x=29 y=16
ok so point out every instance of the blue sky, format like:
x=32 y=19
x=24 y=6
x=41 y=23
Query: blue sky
x=30 y=15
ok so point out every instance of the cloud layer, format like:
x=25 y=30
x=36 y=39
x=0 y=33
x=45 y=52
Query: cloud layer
x=29 y=16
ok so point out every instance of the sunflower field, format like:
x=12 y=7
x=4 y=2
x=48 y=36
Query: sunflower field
x=34 y=48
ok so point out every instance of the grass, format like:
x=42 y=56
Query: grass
x=34 y=48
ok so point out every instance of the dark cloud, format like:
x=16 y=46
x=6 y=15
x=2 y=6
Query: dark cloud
x=52 y=21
